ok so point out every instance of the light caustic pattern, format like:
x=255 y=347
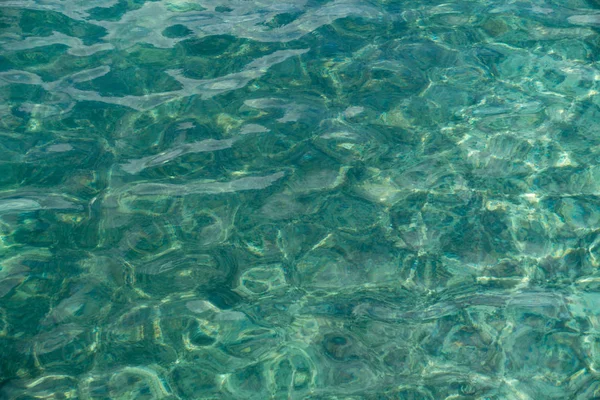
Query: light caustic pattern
x=312 y=199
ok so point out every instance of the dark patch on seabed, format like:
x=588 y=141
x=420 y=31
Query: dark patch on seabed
x=211 y=199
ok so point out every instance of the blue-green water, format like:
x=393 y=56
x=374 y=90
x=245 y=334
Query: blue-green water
x=305 y=199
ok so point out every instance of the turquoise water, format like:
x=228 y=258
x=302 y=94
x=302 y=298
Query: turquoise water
x=304 y=199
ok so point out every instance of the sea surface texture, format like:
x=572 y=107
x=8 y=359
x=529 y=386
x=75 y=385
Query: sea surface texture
x=299 y=199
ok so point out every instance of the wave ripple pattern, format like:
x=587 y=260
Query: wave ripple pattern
x=307 y=199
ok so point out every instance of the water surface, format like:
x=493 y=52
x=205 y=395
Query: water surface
x=310 y=199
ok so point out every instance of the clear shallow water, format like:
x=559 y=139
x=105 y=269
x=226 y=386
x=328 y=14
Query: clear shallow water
x=301 y=200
